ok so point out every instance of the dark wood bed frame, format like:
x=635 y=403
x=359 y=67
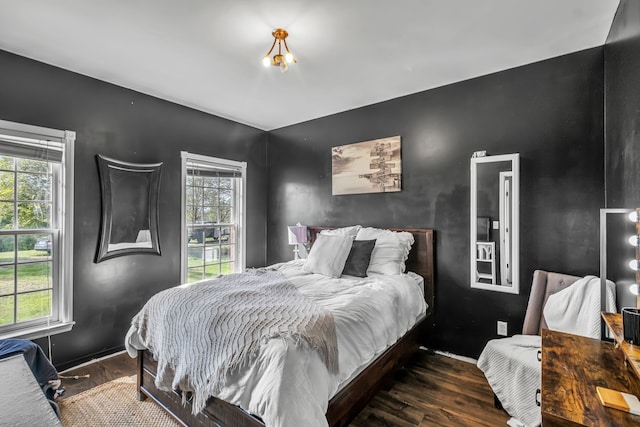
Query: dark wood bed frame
x=351 y=399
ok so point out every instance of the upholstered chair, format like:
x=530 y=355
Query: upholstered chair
x=505 y=359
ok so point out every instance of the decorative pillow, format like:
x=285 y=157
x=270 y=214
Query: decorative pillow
x=328 y=254
x=359 y=257
x=349 y=231
x=390 y=252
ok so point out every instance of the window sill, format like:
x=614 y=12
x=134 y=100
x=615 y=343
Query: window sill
x=39 y=331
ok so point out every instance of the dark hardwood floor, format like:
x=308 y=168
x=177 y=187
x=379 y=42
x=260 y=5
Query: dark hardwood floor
x=432 y=390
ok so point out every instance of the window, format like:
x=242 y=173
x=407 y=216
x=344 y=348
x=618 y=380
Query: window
x=36 y=220
x=213 y=217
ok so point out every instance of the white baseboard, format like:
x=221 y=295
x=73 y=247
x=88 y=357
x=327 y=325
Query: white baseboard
x=453 y=356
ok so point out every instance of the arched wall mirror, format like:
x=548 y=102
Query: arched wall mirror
x=494 y=236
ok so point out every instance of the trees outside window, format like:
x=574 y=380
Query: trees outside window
x=213 y=217
x=35 y=227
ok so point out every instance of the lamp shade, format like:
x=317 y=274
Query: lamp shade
x=297 y=234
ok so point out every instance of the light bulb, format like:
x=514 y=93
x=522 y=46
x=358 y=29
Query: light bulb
x=266 y=61
x=633 y=216
x=289 y=57
x=633 y=240
x=633 y=264
x=634 y=289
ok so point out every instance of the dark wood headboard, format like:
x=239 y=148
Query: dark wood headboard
x=420 y=260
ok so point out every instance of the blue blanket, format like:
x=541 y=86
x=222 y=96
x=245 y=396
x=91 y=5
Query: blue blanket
x=42 y=369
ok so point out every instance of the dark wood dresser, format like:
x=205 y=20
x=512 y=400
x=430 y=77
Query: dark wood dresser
x=572 y=367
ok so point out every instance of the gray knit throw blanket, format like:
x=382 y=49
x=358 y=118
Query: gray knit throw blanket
x=201 y=331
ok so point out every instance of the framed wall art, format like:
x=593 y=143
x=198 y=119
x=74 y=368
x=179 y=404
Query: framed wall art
x=367 y=167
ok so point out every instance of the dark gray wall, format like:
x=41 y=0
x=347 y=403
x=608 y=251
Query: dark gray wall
x=550 y=112
x=129 y=126
x=622 y=107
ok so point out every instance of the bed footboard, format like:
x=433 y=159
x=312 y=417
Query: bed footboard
x=217 y=413
x=343 y=407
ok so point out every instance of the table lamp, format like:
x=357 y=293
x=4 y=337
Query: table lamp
x=297 y=236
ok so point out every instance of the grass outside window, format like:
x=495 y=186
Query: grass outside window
x=34 y=286
x=209 y=259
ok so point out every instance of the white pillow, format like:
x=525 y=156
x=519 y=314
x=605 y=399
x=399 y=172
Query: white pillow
x=391 y=250
x=329 y=254
x=349 y=231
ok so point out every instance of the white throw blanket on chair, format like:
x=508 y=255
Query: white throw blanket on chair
x=576 y=309
x=512 y=369
x=511 y=364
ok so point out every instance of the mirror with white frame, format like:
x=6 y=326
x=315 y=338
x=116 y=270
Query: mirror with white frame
x=494 y=220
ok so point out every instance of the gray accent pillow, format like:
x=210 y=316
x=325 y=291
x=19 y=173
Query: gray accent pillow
x=359 y=257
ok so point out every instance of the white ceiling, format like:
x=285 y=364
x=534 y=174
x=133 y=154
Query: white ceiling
x=206 y=54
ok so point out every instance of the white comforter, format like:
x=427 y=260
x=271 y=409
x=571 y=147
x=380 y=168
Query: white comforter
x=287 y=384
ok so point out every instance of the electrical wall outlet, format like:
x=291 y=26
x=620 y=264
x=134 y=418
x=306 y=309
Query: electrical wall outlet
x=502 y=328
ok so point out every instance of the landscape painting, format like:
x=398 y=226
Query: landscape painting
x=367 y=167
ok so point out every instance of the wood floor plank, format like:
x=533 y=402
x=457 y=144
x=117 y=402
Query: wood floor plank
x=449 y=407
x=450 y=384
x=449 y=392
x=432 y=390
x=396 y=408
x=99 y=372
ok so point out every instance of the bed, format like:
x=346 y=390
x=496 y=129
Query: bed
x=351 y=397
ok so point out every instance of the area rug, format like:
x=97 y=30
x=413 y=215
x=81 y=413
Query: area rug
x=112 y=404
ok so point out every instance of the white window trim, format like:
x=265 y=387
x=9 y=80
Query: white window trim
x=65 y=309
x=241 y=246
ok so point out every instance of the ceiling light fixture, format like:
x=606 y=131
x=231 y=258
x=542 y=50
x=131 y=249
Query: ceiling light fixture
x=279 y=60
